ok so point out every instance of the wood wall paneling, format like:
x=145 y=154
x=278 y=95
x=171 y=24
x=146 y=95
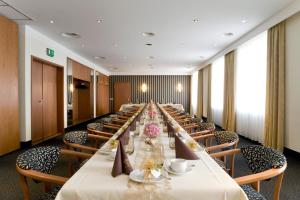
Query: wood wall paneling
x=9 y=104
x=47 y=116
x=49 y=101
x=122 y=91
x=102 y=94
x=80 y=71
x=36 y=101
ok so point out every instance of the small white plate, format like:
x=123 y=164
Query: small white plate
x=138 y=176
x=107 y=151
x=168 y=168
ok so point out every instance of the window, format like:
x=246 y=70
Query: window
x=217 y=90
x=251 y=66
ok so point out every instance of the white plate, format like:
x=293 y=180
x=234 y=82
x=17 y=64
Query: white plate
x=138 y=176
x=168 y=168
x=107 y=151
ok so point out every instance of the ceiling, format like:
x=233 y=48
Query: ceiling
x=186 y=32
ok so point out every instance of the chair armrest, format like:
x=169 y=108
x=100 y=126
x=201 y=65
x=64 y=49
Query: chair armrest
x=49 y=178
x=76 y=153
x=205 y=132
x=100 y=133
x=98 y=137
x=225 y=153
x=220 y=146
x=260 y=176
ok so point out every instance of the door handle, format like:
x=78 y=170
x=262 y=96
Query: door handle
x=40 y=101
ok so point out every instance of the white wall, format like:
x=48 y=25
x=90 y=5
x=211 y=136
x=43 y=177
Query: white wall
x=33 y=43
x=293 y=83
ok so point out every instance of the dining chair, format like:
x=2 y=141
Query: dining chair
x=265 y=163
x=224 y=140
x=78 y=140
x=100 y=129
x=38 y=164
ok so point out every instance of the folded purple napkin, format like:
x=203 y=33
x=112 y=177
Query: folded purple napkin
x=121 y=163
x=183 y=151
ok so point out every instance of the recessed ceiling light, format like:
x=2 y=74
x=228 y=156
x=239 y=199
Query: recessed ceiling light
x=201 y=57
x=149 y=44
x=150 y=57
x=148 y=34
x=228 y=34
x=96 y=57
x=244 y=21
x=115 y=69
x=151 y=67
x=51 y=22
x=116 y=45
x=99 y=21
x=102 y=57
x=82 y=45
x=196 y=20
x=70 y=35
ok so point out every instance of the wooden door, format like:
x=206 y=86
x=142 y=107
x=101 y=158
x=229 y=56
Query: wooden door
x=36 y=101
x=122 y=92
x=9 y=102
x=102 y=95
x=49 y=100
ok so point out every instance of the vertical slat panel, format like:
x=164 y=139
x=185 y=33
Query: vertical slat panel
x=161 y=88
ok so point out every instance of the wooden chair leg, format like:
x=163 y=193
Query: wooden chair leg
x=256 y=185
x=278 y=186
x=24 y=187
x=47 y=187
x=232 y=166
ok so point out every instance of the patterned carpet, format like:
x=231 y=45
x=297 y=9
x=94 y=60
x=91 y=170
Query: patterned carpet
x=10 y=188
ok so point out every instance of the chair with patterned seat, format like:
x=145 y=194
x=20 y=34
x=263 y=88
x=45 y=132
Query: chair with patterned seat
x=78 y=140
x=38 y=164
x=100 y=129
x=265 y=163
x=198 y=129
x=224 y=140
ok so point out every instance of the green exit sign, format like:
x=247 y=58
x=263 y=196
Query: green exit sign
x=50 y=52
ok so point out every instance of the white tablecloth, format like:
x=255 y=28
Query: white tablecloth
x=177 y=106
x=126 y=106
x=206 y=181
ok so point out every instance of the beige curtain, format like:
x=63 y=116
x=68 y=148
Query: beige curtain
x=209 y=116
x=229 y=109
x=200 y=94
x=275 y=94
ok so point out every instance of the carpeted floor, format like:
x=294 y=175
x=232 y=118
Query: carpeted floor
x=10 y=188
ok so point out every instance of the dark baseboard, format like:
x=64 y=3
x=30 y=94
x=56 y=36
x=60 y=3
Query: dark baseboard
x=247 y=139
x=26 y=144
x=292 y=153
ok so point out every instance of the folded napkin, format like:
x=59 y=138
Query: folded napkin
x=121 y=163
x=183 y=151
x=171 y=130
x=133 y=125
x=122 y=137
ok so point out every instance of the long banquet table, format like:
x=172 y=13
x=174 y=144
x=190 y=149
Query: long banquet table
x=206 y=180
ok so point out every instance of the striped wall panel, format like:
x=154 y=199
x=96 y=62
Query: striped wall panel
x=160 y=88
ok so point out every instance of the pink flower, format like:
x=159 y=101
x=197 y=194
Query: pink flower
x=152 y=114
x=151 y=130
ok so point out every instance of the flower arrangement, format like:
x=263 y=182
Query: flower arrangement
x=151 y=130
x=152 y=114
